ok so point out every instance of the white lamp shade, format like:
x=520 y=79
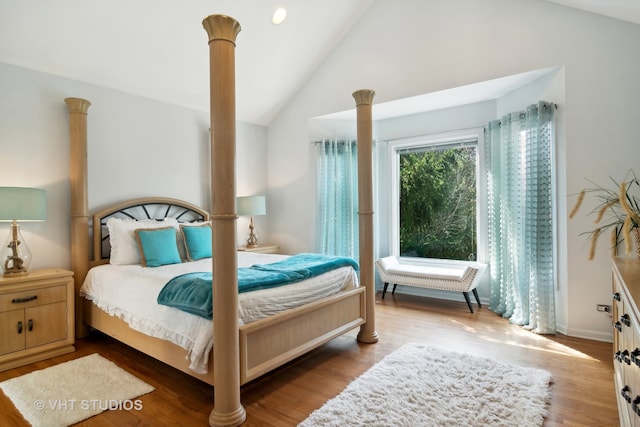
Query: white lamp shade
x=22 y=204
x=251 y=205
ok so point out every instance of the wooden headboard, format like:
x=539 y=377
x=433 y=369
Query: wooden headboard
x=156 y=208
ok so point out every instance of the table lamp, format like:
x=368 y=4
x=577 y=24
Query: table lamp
x=250 y=206
x=19 y=204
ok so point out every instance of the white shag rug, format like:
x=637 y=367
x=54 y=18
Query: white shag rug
x=70 y=392
x=418 y=385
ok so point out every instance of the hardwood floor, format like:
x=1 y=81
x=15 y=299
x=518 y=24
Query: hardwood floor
x=582 y=392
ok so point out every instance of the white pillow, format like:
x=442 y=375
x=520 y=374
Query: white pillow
x=124 y=249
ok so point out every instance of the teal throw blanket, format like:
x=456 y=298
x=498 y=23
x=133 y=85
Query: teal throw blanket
x=192 y=292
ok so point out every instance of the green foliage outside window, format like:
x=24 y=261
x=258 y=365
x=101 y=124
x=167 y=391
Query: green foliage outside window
x=438 y=203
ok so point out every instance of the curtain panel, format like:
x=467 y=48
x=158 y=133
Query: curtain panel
x=337 y=197
x=520 y=201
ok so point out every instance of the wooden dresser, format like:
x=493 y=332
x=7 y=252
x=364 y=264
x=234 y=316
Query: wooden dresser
x=36 y=317
x=626 y=339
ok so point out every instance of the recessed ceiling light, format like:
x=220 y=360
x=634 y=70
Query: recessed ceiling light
x=279 y=16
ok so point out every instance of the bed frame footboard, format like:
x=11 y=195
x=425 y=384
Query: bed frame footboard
x=269 y=343
x=264 y=344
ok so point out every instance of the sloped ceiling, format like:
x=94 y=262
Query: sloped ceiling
x=158 y=48
x=625 y=10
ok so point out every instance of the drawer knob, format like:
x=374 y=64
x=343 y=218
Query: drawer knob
x=635 y=356
x=616 y=296
x=19 y=325
x=634 y=405
x=618 y=326
x=625 y=393
x=625 y=319
x=24 y=299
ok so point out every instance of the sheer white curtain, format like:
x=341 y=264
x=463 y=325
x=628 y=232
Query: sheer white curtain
x=337 y=198
x=521 y=247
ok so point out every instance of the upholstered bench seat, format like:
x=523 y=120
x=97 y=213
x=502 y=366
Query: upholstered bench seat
x=431 y=274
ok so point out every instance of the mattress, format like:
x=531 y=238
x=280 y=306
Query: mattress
x=130 y=293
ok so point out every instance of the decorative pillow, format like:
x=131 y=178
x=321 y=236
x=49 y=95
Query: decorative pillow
x=197 y=240
x=124 y=249
x=182 y=245
x=158 y=246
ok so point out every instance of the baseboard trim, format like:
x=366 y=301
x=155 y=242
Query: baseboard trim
x=590 y=335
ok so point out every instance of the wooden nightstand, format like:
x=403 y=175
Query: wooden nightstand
x=262 y=249
x=36 y=317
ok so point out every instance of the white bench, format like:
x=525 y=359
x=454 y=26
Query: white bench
x=431 y=274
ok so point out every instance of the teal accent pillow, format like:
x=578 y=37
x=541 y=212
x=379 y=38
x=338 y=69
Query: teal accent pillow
x=158 y=246
x=197 y=240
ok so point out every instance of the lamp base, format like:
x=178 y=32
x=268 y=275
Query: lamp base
x=15 y=254
x=16 y=273
x=252 y=241
x=14 y=266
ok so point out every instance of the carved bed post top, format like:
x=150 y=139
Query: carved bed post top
x=221 y=27
x=364 y=96
x=77 y=105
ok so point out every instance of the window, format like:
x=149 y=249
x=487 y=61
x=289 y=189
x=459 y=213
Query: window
x=435 y=192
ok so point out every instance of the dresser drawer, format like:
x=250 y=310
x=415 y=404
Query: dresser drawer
x=36 y=317
x=33 y=297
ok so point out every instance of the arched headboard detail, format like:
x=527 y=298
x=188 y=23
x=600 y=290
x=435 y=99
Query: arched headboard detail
x=157 y=208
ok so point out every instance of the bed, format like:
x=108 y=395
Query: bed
x=242 y=350
x=119 y=297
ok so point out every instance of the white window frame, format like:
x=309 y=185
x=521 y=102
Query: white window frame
x=397 y=145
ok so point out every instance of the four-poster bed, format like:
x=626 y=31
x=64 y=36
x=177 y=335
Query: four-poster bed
x=241 y=352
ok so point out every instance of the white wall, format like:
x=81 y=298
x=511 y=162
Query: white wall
x=475 y=115
x=136 y=148
x=413 y=47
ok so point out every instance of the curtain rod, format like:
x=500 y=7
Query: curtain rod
x=339 y=141
x=342 y=141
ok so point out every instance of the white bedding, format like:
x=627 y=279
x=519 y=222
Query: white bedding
x=130 y=292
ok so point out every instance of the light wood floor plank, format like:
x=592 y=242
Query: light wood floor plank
x=582 y=390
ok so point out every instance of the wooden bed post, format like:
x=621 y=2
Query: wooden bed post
x=364 y=99
x=227 y=409
x=79 y=201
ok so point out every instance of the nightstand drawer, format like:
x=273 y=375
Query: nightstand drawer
x=33 y=297
x=36 y=317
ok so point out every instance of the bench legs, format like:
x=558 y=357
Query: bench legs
x=466 y=298
x=475 y=294
x=466 y=295
x=386 y=285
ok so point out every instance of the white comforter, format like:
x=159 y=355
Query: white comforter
x=130 y=293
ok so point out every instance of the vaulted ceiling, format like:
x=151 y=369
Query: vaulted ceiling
x=158 y=48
